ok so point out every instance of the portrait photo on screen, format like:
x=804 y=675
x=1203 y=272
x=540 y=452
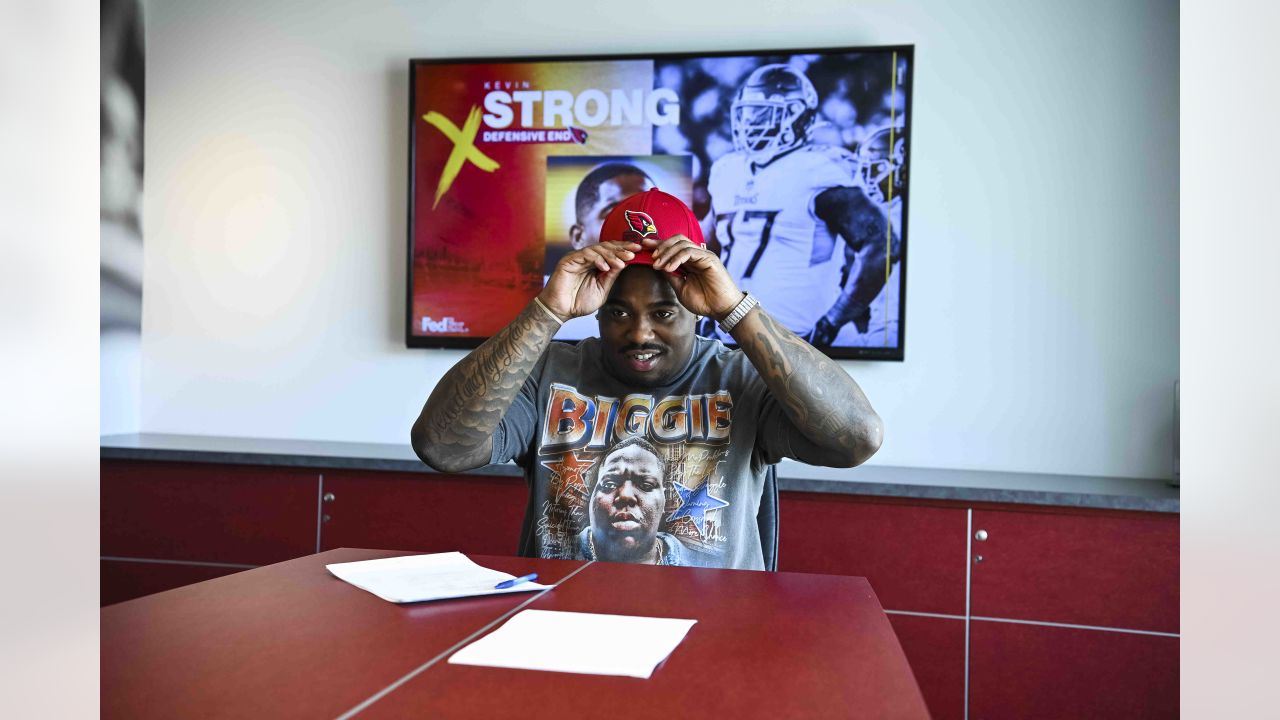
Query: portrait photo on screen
x=795 y=162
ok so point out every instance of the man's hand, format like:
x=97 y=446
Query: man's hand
x=702 y=284
x=861 y=318
x=824 y=332
x=843 y=312
x=581 y=281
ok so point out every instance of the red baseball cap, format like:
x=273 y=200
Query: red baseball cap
x=650 y=214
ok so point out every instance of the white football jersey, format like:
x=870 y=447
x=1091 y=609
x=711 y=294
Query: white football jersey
x=770 y=240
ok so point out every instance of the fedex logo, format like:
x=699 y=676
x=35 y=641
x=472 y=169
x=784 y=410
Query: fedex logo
x=575 y=421
x=589 y=108
x=445 y=324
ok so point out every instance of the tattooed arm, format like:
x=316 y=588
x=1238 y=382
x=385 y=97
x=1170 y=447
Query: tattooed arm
x=819 y=397
x=455 y=429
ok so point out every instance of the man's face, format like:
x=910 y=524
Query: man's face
x=647 y=335
x=612 y=191
x=627 y=504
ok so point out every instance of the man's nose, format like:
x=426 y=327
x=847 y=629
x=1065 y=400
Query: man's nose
x=626 y=492
x=640 y=331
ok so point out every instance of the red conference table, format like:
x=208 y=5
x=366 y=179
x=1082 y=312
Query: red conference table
x=291 y=640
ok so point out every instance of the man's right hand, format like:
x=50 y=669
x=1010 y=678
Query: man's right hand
x=824 y=332
x=582 y=279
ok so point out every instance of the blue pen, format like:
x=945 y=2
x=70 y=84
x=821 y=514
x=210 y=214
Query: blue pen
x=515 y=581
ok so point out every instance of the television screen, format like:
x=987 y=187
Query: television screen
x=794 y=160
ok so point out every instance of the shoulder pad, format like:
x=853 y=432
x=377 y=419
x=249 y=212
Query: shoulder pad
x=843 y=159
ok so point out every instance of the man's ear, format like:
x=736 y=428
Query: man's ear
x=575 y=236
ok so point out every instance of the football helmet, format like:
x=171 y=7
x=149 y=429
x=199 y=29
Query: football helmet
x=882 y=162
x=772 y=112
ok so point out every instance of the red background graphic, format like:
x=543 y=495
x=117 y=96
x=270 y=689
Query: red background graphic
x=482 y=284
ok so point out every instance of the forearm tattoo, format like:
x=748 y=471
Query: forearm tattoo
x=465 y=407
x=823 y=402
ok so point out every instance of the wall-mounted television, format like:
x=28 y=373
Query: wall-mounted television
x=795 y=160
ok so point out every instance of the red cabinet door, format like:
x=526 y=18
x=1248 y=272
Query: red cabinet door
x=1021 y=671
x=424 y=512
x=1117 y=570
x=913 y=556
x=207 y=513
x=935 y=648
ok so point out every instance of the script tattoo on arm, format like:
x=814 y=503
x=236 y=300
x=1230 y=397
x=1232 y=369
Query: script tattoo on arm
x=455 y=428
x=825 y=404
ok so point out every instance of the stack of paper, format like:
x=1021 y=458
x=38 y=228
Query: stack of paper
x=535 y=640
x=414 y=578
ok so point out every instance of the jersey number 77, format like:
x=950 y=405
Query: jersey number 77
x=754 y=226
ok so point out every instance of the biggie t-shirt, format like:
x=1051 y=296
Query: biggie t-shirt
x=713 y=431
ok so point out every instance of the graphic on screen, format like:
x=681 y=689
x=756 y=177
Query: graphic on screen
x=796 y=164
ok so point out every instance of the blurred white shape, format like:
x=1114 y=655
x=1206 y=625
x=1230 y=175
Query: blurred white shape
x=718 y=144
x=705 y=104
x=669 y=139
x=121 y=187
x=670 y=77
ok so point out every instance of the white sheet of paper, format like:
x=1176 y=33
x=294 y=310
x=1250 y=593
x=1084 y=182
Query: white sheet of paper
x=556 y=641
x=438 y=576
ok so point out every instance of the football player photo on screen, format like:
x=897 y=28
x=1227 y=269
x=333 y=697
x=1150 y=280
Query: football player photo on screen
x=799 y=181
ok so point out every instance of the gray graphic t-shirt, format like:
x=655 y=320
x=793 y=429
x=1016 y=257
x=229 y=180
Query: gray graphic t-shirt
x=669 y=475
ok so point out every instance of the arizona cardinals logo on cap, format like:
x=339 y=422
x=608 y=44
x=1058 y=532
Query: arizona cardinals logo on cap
x=641 y=223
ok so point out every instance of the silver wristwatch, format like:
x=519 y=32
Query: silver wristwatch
x=739 y=311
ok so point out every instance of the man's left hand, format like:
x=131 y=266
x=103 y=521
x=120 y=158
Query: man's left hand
x=701 y=282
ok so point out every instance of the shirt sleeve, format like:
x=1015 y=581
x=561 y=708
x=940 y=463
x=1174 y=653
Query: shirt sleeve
x=717 y=181
x=832 y=167
x=837 y=168
x=513 y=438
x=775 y=433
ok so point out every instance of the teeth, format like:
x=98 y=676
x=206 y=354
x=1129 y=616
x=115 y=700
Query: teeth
x=644 y=357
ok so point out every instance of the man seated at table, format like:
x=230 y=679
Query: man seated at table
x=720 y=416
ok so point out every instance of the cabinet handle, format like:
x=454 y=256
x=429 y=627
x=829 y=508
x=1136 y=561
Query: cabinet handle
x=977 y=559
x=329 y=497
x=980 y=535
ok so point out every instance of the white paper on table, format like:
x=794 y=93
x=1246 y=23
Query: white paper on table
x=414 y=578
x=556 y=641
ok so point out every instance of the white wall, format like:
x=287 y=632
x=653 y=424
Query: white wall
x=1042 y=298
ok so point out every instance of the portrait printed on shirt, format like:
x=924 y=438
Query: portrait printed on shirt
x=635 y=479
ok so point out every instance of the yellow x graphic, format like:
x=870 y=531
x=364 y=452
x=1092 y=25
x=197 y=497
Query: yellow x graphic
x=464 y=148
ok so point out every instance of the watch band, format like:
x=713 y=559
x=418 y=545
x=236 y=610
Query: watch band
x=739 y=311
x=547 y=310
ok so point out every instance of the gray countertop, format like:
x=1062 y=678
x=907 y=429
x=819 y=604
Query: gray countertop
x=1153 y=495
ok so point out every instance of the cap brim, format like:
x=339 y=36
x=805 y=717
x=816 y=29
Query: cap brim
x=644 y=257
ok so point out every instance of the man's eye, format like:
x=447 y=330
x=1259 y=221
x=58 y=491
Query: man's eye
x=608 y=485
x=664 y=314
x=617 y=314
